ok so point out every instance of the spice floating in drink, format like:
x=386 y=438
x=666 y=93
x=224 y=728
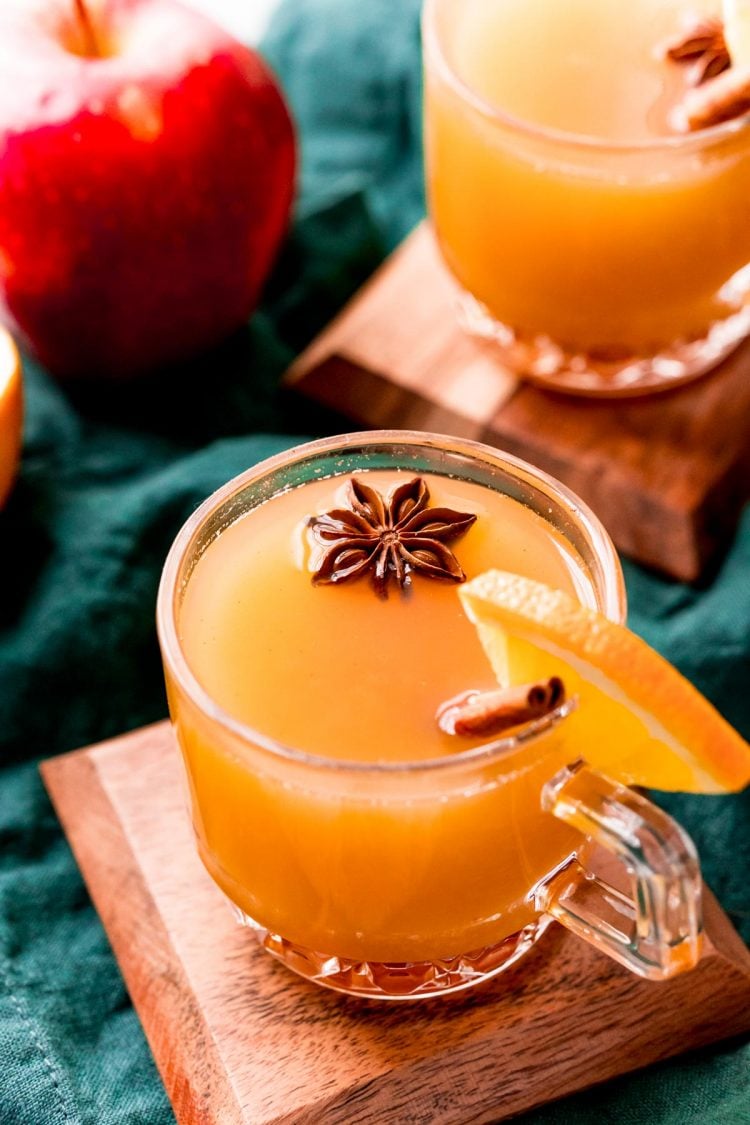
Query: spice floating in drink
x=489 y=713
x=330 y=667
x=389 y=537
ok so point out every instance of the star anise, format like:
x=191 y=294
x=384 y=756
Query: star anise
x=702 y=47
x=391 y=537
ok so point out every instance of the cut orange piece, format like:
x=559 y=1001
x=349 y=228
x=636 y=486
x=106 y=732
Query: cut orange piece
x=638 y=719
x=11 y=413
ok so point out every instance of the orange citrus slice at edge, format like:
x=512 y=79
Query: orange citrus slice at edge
x=11 y=414
x=638 y=720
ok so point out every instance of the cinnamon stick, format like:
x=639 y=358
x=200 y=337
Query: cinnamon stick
x=480 y=714
x=701 y=48
x=723 y=98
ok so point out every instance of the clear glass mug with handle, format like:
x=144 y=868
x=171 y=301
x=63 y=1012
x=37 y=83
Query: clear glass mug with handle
x=415 y=878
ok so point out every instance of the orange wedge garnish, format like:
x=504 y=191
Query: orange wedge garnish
x=638 y=719
x=11 y=412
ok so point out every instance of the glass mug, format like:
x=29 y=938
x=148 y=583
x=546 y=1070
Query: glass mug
x=595 y=267
x=413 y=878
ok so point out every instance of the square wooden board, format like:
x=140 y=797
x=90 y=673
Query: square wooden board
x=667 y=473
x=239 y=1040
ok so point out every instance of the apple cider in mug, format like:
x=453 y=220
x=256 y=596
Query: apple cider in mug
x=352 y=674
x=387 y=657
x=588 y=174
x=314 y=649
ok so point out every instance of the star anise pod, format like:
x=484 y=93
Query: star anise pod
x=389 y=538
x=703 y=48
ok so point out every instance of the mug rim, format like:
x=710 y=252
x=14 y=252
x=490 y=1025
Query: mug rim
x=433 y=52
x=166 y=609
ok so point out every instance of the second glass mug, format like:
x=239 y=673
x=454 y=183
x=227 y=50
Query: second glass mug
x=595 y=267
x=409 y=879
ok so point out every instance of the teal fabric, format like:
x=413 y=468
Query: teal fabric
x=107 y=479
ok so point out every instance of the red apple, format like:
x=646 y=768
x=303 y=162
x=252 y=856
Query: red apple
x=146 y=177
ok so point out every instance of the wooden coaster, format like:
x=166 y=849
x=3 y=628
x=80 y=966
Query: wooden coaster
x=668 y=474
x=239 y=1039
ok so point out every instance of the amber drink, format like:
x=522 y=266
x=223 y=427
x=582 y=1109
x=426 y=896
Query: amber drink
x=366 y=847
x=598 y=233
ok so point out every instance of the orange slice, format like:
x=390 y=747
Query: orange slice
x=638 y=719
x=11 y=414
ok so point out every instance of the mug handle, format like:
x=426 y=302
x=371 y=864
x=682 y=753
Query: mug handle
x=656 y=930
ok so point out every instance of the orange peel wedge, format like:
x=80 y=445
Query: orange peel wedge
x=11 y=414
x=638 y=720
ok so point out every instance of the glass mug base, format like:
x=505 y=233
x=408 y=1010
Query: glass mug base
x=411 y=980
x=541 y=361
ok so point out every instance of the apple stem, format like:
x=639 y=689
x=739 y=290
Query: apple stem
x=87 y=28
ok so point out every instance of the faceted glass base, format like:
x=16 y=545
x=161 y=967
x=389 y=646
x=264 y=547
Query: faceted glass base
x=605 y=374
x=414 y=980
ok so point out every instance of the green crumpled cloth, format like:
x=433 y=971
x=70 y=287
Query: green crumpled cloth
x=108 y=478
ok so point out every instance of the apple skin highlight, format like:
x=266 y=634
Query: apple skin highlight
x=144 y=192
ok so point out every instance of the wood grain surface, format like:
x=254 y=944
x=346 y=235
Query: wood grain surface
x=668 y=473
x=239 y=1039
